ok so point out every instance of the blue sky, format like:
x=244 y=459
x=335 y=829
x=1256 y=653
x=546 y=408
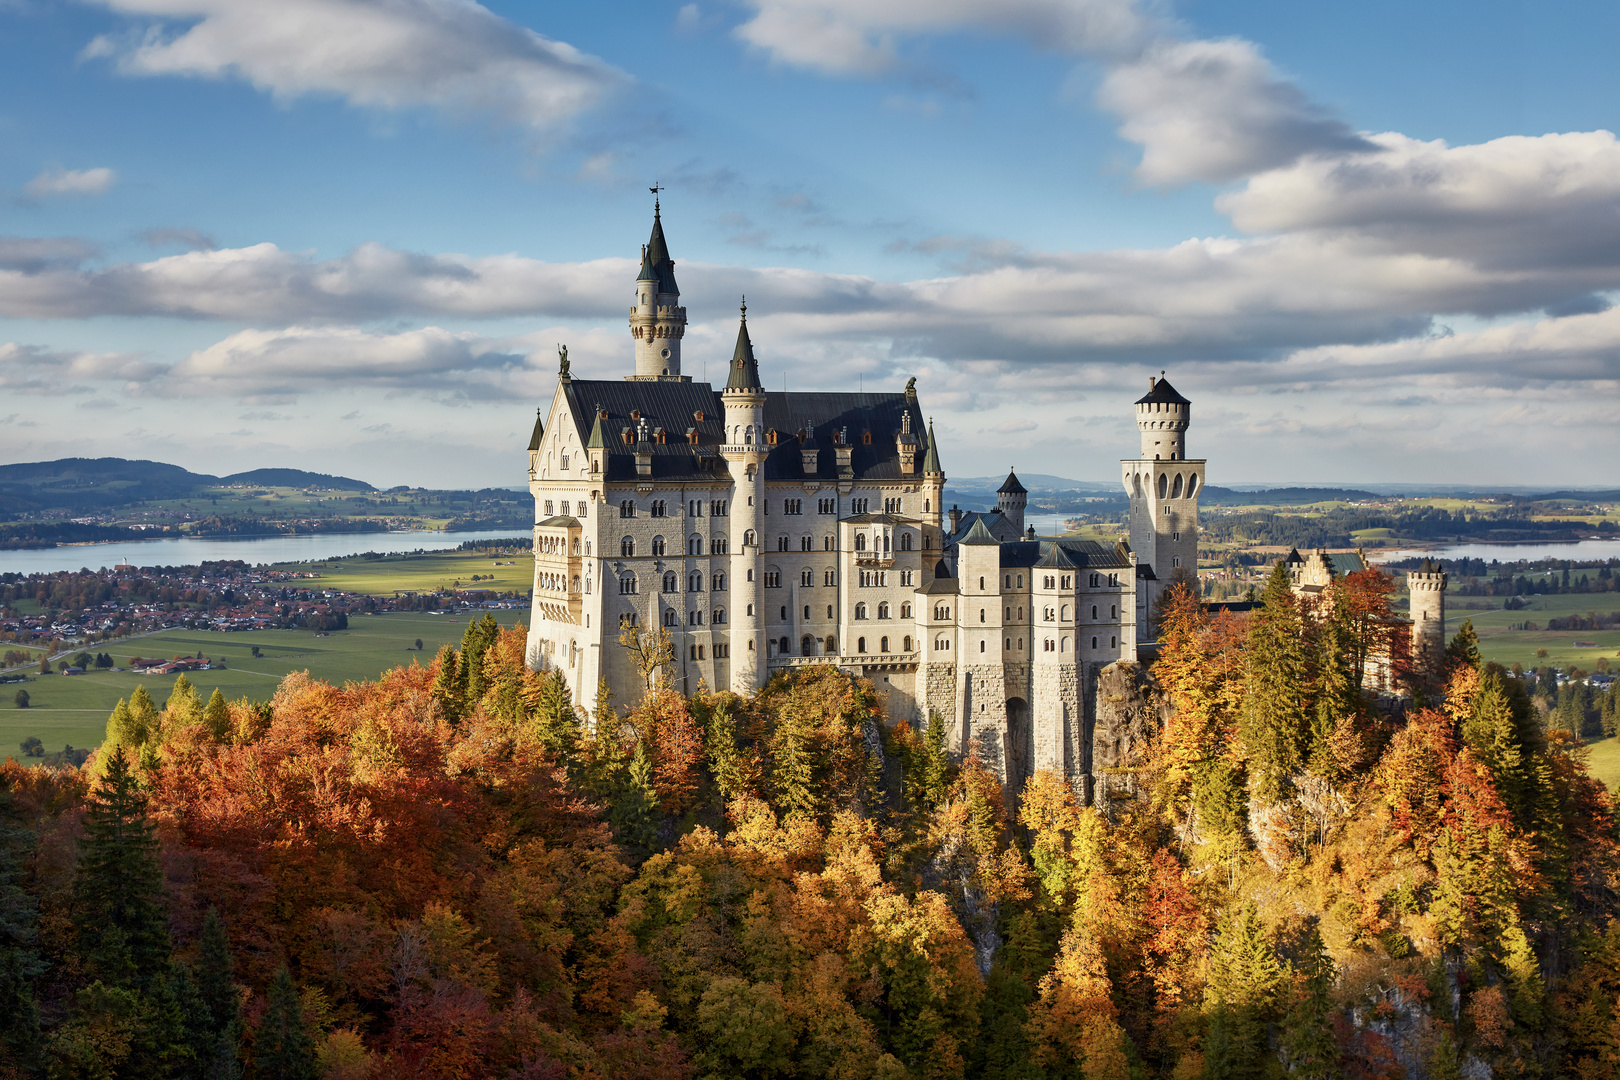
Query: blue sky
x=1373 y=242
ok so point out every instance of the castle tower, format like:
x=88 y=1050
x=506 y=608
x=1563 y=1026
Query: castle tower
x=933 y=480
x=1010 y=498
x=657 y=322
x=744 y=450
x=1427 y=587
x=1163 y=485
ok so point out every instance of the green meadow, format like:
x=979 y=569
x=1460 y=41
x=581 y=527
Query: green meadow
x=430 y=572
x=73 y=709
x=1508 y=647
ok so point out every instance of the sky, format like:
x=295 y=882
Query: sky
x=1373 y=243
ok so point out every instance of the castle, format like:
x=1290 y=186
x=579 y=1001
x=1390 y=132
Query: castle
x=770 y=530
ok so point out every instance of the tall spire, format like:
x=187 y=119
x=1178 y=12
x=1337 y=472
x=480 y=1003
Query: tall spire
x=658 y=322
x=744 y=368
x=657 y=255
x=931 y=455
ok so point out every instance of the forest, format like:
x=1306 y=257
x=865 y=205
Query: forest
x=447 y=873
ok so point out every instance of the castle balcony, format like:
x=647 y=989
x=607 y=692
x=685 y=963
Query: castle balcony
x=855 y=665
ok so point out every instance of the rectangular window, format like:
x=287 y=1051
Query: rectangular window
x=905 y=577
x=792 y=506
x=722 y=651
x=549 y=510
x=717 y=508
x=827 y=506
x=773 y=579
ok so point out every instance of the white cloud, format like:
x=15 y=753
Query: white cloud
x=55 y=182
x=1200 y=109
x=29 y=369
x=451 y=55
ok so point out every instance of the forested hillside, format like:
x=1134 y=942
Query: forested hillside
x=443 y=874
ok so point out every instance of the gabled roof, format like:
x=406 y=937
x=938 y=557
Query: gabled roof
x=999 y=525
x=675 y=406
x=1011 y=486
x=940 y=586
x=1162 y=392
x=539 y=430
x=560 y=521
x=1057 y=558
x=744 y=369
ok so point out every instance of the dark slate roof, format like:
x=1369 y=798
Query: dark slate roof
x=1162 y=392
x=673 y=406
x=561 y=521
x=930 y=462
x=1346 y=562
x=1065 y=554
x=940 y=586
x=978 y=535
x=539 y=430
x=1024 y=553
x=657 y=256
x=1011 y=486
x=999 y=525
x=1428 y=566
x=744 y=368
x=1294 y=556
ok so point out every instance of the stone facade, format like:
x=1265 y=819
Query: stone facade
x=1427 y=588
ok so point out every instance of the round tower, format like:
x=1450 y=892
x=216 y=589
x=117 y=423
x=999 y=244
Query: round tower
x=1162 y=417
x=657 y=322
x=1427 y=588
x=1011 y=497
x=744 y=449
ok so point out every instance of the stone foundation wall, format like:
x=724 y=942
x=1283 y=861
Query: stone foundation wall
x=1129 y=709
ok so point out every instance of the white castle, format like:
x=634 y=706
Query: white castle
x=768 y=531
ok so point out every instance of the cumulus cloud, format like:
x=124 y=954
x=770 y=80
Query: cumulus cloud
x=30 y=369
x=1200 y=109
x=192 y=239
x=55 y=182
x=454 y=56
x=34 y=254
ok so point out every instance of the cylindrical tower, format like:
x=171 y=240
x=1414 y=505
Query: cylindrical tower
x=657 y=322
x=1162 y=417
x=744 y=450
x=1011 y=498
x=1427 y=588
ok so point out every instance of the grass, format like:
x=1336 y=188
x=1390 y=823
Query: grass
x=73 y=709
x=424 y=573
x=1508 y=647
x=1603 y=761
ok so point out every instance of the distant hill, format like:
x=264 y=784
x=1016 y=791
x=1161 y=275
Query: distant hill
x=1291 y=496
x=297 y=478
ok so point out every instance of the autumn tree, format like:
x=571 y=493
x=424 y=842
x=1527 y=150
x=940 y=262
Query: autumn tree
x=118 y=907
x=283 y=1049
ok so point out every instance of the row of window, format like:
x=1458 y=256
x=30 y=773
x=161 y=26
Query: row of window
x=565 y=504
x=882 y=611
x=699 y=652
x=694 y=546
x=717 y=617
x=944 y=644
x=810 y=645
x=660 y=508
x=694 y=581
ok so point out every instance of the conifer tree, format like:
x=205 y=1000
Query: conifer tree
x=478 y=637
x=1464 y=647
x=217 y=716
x=720 y=745
x=119 y=910
x=634 y=814
x=1337 y=702
x=216 y=984
x=283 y=1049
x=20 y=963
x=1244 y=980
x=448 y=684
x=555 y=723
x=1272 y=727
x=184 y=708
x=1308 y=1045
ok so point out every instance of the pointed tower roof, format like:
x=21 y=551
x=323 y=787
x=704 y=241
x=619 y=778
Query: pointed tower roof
x=539 y=430
x=657 y=257
x=597 y=441
x=744 y=368
x=930 y=465
x=1160 y=390
x=979 y=534
x=1011 y=486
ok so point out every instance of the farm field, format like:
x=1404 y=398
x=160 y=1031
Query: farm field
x=390 y=574
x=1508 y=647
x=73 y=709
x=1604 y=762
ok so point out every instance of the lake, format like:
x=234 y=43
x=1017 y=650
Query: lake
x=253 y=551
x=1509 y=553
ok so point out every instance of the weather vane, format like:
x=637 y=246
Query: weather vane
x=655 y=189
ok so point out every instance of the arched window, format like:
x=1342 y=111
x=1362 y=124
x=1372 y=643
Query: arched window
x=694 y=581
x=807 y=646
x=1065 y=645
x=906 y=643
x=781 y=543
x=1164 y=484
x=860 y=611
x=905 y=541
x=658 y=545
x=860 y=541
x=905 y=611
x=748 y=437
x=1093 y=611
x=576 y=584
x=576 y=545
x=860 y=645
x=981 y=614
x=782 y=645
x=883 y=613
x=671 y=582
x=832 y=646
x=1093 y=643
x=883 y=645
x=670 y=618
x=627 y=547
x=1175 y=492
x=658 y=508
x=627 y=584
x=1065 y=612
x=717 y=583
x=981 y=646
x=748 y=538
x=719 y=615
x=694 y=544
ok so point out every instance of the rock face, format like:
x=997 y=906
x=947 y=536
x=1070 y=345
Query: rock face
x=1130 y=708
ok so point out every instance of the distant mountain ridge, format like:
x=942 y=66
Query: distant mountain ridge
x=102 y=483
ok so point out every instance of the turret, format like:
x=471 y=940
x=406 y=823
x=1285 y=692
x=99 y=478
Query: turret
x=657 y=322
x=744 y=450
x=1427 y=588
x=1162 y=416
x=1010 y=499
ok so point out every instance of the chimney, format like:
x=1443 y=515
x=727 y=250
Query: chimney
x=956 y=519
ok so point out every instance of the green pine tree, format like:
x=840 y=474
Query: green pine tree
x=448 y=685
x=184 y=708
x=20 y=963
x=720 y=745
x=216 y=973
x=793 y=775
x=1244 y=982
x=634 y=813
x=555 y=723
x=1272 y=725
x=1307 y=1040
x=1337 y=701
x=217 y=716
x=283 y=1049
x=119 y=910
x=1464 y=647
